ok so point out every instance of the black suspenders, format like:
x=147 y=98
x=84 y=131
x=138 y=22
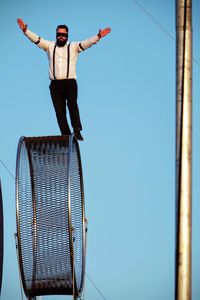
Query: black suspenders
x=68 y=61
x=54 y=73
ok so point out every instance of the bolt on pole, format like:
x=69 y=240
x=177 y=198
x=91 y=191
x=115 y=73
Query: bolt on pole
x=183 y=149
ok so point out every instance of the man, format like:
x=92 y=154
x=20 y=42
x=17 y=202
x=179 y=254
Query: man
x=62 y=57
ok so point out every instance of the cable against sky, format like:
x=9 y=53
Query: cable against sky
x=159 y=25
x=8 y=170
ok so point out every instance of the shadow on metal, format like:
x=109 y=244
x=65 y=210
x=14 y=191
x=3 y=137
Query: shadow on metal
x=51 y=224
x=1 y=237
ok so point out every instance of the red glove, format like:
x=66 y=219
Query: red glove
x=104 y=32
x=22 y=25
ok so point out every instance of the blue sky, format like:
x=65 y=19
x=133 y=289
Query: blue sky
x=127 y=105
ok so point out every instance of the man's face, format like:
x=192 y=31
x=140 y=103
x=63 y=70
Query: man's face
x=61 y=37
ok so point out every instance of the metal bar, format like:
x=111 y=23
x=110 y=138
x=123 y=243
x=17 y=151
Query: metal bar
x=84 y=221
x=183 y=148
x=74 y=288
x=34 y=224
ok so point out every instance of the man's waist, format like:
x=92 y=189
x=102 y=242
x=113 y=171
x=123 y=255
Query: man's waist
x=62 y=80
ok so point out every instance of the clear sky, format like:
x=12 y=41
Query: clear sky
x=127 y=105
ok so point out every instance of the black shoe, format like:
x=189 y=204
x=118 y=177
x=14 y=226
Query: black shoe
x=78 y=136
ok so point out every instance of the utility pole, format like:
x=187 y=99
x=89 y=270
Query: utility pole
x=183 y=149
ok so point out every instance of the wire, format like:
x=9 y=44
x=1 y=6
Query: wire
x=196 y=61
x=163 y=29
x=96 y=287
x=92 y=281
x=11 y=174
x=155 y=21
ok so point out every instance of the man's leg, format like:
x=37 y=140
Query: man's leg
x=59 y=103
x=72 y=93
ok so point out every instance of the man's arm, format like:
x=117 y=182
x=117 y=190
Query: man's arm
x=40 y=42
x=91 y=41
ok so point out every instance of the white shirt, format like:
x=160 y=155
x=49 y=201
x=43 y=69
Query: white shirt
x=60 y=68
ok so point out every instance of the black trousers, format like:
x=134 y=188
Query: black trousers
x=66 y=92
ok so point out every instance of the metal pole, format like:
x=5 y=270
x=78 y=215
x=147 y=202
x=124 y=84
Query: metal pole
x=183 y=148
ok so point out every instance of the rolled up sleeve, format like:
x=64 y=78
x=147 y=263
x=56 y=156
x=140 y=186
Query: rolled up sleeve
x=40 y=42
x=87 y=43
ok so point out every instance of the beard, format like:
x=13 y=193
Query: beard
x=60 y=43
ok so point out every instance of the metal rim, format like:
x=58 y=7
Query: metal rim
x=17 y=215
x=69 y=211
x=83 y=215
x=34 y=213
x=73 y=265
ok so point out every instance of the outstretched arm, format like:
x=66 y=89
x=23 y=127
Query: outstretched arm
x=41 y=43
x=93 y=40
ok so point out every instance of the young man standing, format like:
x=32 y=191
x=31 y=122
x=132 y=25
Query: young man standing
x=62 y=57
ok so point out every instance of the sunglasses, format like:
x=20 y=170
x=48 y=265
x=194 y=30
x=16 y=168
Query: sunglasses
x=62 y=34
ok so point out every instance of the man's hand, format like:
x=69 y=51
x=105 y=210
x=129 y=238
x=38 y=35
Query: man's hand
x=22 y=25
x=104 y=32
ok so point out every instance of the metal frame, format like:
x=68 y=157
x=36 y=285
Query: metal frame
x=34 y=213
x=18 y=235
x=77 y=290
x=76 y=293
x=83 y=212
x=70 y=217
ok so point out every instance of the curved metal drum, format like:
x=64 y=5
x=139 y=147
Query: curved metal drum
x=1 y=237
x=51 y=227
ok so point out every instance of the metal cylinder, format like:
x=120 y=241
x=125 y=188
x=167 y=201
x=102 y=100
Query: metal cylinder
x=51 y=226
x=183 y=148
